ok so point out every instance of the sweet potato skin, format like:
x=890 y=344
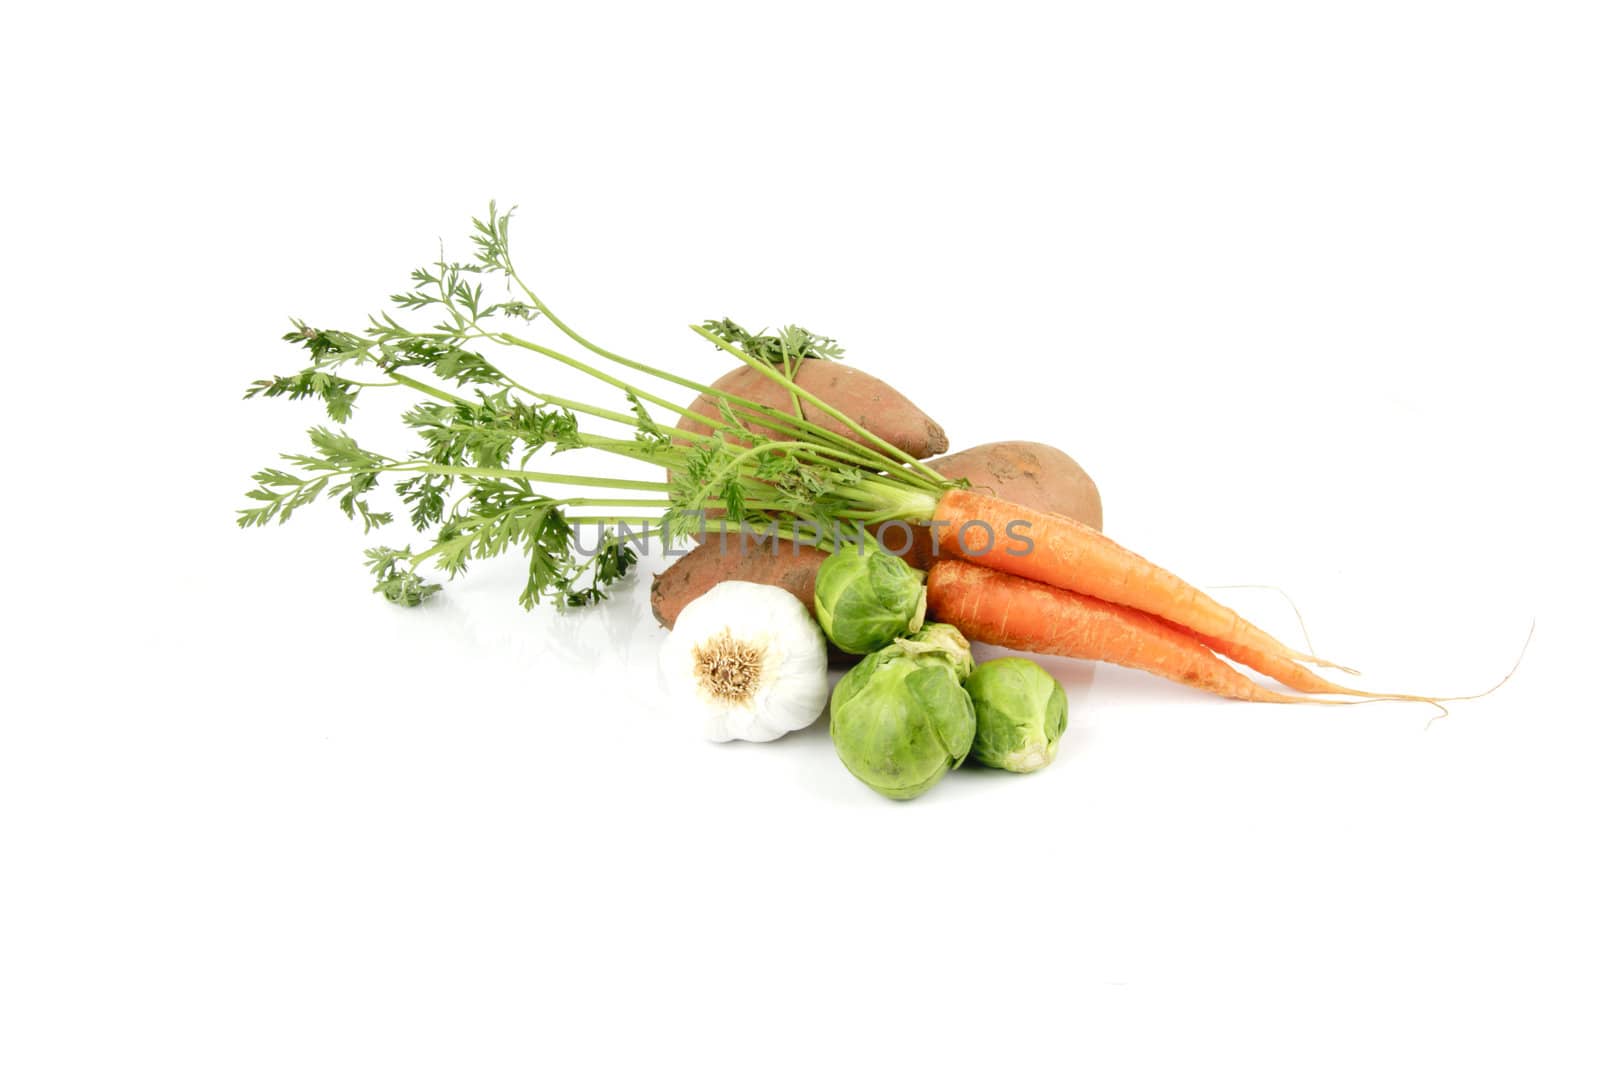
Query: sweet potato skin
x=1023 y=472
x=874 y=404
x=792 y=567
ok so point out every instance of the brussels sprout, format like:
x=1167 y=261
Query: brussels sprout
x=900 y=718
x=943 y=639
x=864 y=600
x=1022 y=713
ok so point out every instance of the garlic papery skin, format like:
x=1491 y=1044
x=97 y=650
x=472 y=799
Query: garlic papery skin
x=747 y=661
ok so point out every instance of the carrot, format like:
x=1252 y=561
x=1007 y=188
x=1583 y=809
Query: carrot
x=1001 y=609
x=1289 y=672
x=1282 y=669
x=1069 y=555
x=1029 y=473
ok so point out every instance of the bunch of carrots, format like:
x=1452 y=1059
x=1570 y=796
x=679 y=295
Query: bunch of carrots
x=1080 y=594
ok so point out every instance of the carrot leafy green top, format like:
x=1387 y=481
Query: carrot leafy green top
x=468 y=485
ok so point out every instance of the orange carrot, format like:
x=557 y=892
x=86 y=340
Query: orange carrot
x=1288 y=671
x=1067 y=554
x=1001 y=609
x=1281 y=668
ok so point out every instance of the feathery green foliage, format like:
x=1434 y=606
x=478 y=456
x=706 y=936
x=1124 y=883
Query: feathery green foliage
x=467 y=484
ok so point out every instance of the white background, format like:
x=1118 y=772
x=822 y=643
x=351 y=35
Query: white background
x=1310 y=291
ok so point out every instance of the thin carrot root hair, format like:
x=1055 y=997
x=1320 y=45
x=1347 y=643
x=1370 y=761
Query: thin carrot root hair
x=1305 y=631
x=1299 y=618
x=1294 y=675
x=1299 y=678
x=1444 y=712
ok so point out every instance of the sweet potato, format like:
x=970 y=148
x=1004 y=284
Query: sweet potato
x=1022 y=472
x=708 y=564
x=870 y=402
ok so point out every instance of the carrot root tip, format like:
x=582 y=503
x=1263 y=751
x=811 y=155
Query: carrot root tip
x=1317 y=661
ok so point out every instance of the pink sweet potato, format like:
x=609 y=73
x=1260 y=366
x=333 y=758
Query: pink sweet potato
x=789 y=566
x=874 y=405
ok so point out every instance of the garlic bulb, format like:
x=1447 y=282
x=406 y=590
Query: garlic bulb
x=748 y=661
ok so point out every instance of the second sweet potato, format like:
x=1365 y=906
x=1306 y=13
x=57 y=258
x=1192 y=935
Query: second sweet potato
x=789 y=566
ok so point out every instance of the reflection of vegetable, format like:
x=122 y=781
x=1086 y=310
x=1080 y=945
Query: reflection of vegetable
x=865 y=599
x=1022 y=712
x=900 y=718
x=748 y=662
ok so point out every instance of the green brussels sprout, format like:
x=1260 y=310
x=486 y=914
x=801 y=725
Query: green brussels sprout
x=1022 y=713
x=864 y=600
x=943 y=639
x=900 y=718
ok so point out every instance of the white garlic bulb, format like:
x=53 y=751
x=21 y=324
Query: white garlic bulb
x=748 y=661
